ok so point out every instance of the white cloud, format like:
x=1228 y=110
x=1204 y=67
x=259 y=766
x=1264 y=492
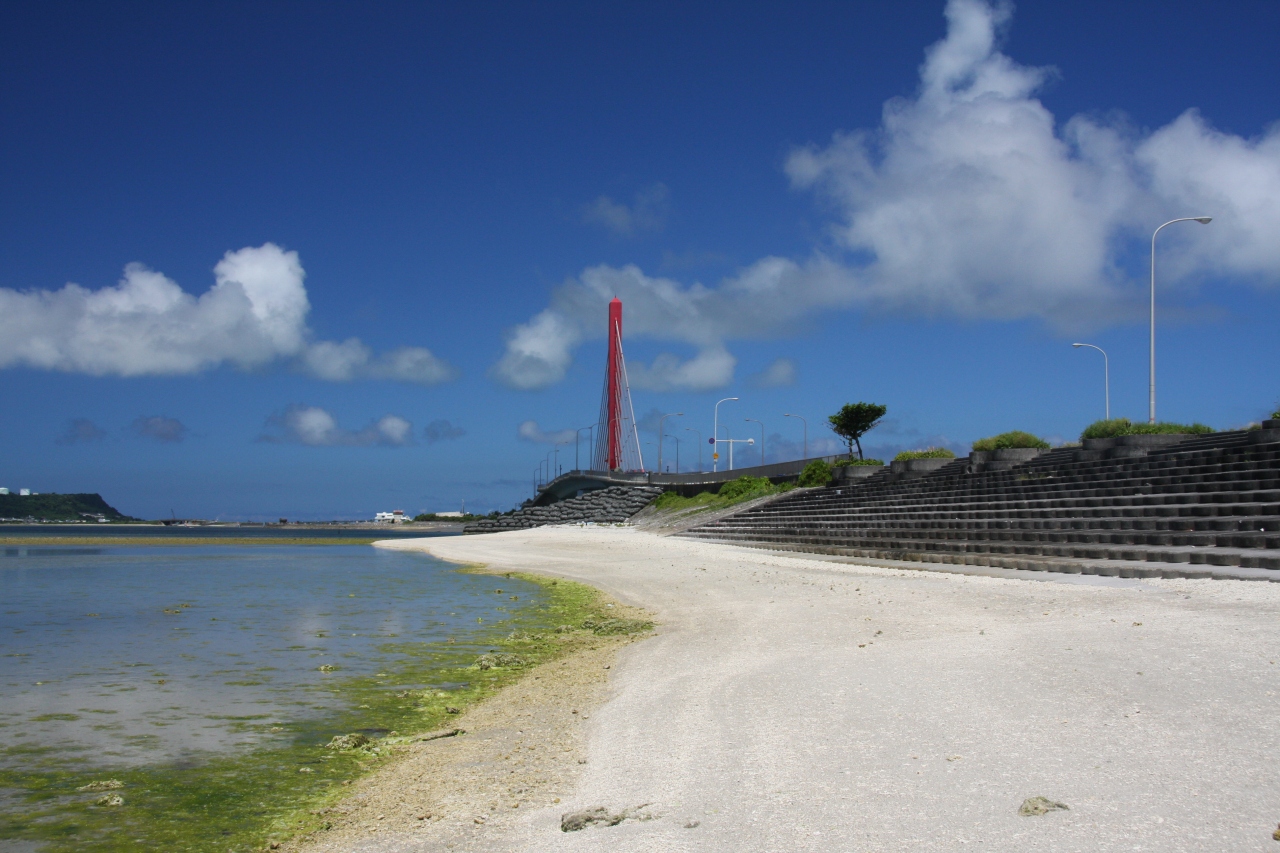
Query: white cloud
x=969 y=200
x=779 y=374
x=81 y=431
x=315 y=427
x=648 y=213
x=352 y=359
x=530 y=431
x=442 y=430
x=160 y=429
x=147 y=325
x=710 y=368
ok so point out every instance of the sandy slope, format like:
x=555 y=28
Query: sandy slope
x=791 y=704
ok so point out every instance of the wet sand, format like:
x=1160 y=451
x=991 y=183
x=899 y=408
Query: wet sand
x=788 y=703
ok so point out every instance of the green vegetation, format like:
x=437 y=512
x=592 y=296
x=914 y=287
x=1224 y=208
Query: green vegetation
x=816 y=473
x=855 y=463
x=264 y=794
x=927 y=453
x=1123 y=426
x=53 y=507
x=1276 y=414
x=1008 y=440
x=744 y=488
x=431 y=516
x=855 y=420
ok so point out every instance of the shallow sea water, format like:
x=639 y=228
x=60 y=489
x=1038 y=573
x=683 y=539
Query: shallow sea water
x=128 y=655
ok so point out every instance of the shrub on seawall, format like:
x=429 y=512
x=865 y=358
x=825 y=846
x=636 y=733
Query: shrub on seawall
x=1009 y=440
x=1123 y=426
x=854 y=463
x=1275 y=416
x=745 y=485
x=816 y=473
x=927 y=453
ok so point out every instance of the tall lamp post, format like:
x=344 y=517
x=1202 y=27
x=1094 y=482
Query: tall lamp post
x=1106 y=374
x=715 y=435
x=660 y=422
x=754 y=421
x=699 y=435
x=805 y=454
x=1203 y=220
x=576 y=439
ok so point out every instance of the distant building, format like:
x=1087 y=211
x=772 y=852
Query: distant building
x=24 y=491
x=449 y=514
x=3 y=490
x=393 y=517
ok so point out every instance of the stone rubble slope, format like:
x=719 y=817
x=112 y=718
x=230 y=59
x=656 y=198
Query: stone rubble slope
x=605 y=506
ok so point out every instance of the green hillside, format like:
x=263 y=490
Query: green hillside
x=58 y=508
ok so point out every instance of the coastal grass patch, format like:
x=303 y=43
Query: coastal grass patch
x=278 y=788
x=744 y=488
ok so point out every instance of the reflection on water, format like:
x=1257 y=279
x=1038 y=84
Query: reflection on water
x=131 y=655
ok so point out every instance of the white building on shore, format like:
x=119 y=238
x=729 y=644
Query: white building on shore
x=393 y=517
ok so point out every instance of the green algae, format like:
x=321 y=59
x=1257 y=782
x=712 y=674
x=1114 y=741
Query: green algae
x=244 y=800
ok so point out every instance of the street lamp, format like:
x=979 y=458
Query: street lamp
x=1203 y=220
x=1106 y=374
x=754 y=421
x=660 y=421
x=715 y=435
x=804 y=455
x=577 y=437
x=699 y=435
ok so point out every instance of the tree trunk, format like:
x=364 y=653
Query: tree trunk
x=859 y=449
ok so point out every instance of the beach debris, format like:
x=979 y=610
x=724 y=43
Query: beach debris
x=327 y=667
x=500 y=659
x=346 y=743
x=574 y=821
x=439 y=735
x=451 y=710
x=1276 y=835
x=1033 y=806
x=109 y=800
x=603 y=627
x=102 y=785
x=693 y=824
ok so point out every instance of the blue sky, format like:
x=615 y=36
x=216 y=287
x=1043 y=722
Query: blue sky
x=337 y=258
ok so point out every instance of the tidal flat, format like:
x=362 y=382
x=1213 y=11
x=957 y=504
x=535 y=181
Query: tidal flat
x=207 y=680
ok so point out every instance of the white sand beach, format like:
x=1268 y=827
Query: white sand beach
x=788 y=703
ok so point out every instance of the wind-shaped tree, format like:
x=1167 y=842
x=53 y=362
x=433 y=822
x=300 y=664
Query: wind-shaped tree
x=854 y=420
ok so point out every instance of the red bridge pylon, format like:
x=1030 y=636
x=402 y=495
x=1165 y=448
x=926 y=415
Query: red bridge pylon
x=617 y=442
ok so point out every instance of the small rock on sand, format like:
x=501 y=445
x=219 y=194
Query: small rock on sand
x=102 y=785
x=1033 y=806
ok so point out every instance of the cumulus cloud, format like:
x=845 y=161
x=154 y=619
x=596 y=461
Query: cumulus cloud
x=352 y=359
x=159 y=429
x=315 y=427
x=779 y=374
x=81 y=431
x=147 y=325
x=970 y=199
x=647 y=213
x=710 y=368
x=442 y=431
x=530 y=431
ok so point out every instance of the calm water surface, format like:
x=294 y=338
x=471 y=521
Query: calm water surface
x=123 y=655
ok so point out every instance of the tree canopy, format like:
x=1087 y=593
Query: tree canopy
x=854 y=420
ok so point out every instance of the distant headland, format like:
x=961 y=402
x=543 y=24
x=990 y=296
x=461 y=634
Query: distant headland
x=89 y=508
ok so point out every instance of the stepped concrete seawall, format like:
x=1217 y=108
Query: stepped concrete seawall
x=1139 y=506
